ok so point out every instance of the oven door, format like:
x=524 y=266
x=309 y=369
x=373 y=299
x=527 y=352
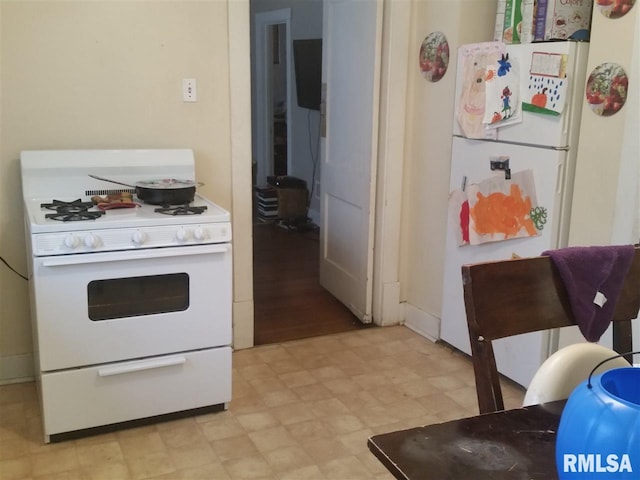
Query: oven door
x=104 y=307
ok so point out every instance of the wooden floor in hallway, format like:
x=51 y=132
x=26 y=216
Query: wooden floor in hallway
x=289 y=303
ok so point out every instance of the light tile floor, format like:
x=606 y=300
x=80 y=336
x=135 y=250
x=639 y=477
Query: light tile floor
x=300 y=410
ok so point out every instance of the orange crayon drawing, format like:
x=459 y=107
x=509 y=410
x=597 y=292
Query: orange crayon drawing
x=498 y=213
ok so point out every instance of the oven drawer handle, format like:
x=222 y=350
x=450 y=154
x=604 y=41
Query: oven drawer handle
x=128 y=255
x=139 y=366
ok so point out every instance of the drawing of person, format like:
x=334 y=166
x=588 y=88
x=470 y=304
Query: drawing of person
x=506 y=105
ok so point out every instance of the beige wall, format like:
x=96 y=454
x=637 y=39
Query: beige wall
x=606 y=202
x=107 y=74
x=428 y=150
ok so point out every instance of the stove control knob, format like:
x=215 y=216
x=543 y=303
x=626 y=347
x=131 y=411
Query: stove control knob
x=200 y=234
x=71 y=241
x=139 y=238
x=183 y=235
x=91 y=241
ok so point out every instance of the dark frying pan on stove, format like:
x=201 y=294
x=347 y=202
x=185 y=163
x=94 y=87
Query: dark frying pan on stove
x=167 y=191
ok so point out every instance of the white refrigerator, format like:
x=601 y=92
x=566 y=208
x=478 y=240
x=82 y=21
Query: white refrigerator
x=543 y=144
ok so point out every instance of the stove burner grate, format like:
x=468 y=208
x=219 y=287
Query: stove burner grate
x=185 y=209
x=71 y=211
x=59 y=206
x=74 y=216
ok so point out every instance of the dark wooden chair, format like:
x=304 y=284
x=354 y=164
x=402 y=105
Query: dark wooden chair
x=511 y=297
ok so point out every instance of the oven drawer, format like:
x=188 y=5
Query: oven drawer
x=118 y=392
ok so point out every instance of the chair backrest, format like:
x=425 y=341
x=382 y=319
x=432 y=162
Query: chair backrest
x=511 y=297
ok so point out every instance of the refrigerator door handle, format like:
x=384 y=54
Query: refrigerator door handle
x=560 y=178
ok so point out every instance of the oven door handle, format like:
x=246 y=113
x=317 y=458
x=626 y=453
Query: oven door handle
x=133 y=255
x=142 y=365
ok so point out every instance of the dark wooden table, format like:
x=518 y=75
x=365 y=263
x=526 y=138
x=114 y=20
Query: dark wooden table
x=509 y=445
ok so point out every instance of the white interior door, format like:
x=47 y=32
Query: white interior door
x=351 y=78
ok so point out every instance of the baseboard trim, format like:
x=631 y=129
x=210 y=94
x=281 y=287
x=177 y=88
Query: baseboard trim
x=16 y=368
x=421 y=322
x=243 y=324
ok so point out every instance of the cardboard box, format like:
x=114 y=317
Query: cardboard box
x=568 y=20
x=518 y=21
x=512 y=18
x=540 y=20
x=499 y=27
x=292 y=203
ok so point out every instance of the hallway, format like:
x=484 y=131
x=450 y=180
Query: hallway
x=289 y=302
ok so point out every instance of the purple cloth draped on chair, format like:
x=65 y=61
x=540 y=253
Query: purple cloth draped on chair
x=593 y=277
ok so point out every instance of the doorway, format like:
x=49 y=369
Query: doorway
x=289 y=302
x=272 y=112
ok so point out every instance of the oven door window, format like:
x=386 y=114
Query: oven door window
x=135 y=296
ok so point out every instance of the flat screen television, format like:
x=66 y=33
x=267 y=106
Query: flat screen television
x=307 y=59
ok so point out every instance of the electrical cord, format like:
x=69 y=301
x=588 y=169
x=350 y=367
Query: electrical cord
x=14 y=270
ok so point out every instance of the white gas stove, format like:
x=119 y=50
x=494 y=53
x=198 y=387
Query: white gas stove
x=131 y=304
x=137 y=227
x=61 y=179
